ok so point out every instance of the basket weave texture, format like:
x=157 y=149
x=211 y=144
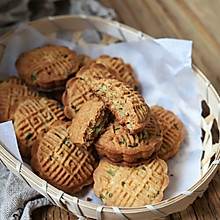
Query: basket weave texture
x=111 y=32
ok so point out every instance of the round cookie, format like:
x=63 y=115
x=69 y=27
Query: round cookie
x=12 y=90
x=95 y=70
x=126 y=149
x=61 y=163
x=131 y=186
x=173 y=132
x=47 y=67
x=32 y=116
x=123 y=72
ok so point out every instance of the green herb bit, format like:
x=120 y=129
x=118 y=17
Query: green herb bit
x=33 y=77
x=146 y=135
x=102 y=196
x=102 y=90
x=111 y=172
x=29 y=136
x=51 y=157
x=123 y=183
x=97 y=129
x=58 y=135
x=122 y=142
x=176 y=126
x=110 y=194
x=67 y=143
x=143 y=168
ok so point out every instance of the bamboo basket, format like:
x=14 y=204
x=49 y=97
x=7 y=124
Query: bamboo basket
x=111 y=32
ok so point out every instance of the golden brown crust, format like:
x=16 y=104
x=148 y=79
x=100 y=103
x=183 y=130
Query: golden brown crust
x=173 y=132
x=64 y=165
x=85 y=59
x=123 y=72
x=125 y=103
x=32 y=116
x=47 y=67
x=123 y=148
x=88 y=123
x=131 y=186
x=95 y=70
x=13 y=90
x=76 y=94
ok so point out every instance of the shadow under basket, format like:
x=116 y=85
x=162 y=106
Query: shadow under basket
x=111 y=32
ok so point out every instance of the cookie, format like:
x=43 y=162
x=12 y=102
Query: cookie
x=85 y=59
x=124 y=186
x=124 y=72
x=95 y=70
x=76 y=94
x=11 y=91
x=47 y=67
x=173 y=132
x=61 y=163
x=31 y=117
x=88 y=123
x=123 y=148
x=125 y=103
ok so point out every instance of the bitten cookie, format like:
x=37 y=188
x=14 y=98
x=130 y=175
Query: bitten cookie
x=61 y=163
x=173 y=132
x=123 y=72
x=47 y=67
x=125 y=103
x=31 y=117
x=131 y=186
x=76 y=94
x=11 y=91
x=123 y=148
x=88 y=123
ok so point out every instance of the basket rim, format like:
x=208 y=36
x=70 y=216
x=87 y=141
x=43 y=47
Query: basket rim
x=160 y=205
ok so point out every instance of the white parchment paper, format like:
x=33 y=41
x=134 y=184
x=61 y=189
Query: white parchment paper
x=163 y=68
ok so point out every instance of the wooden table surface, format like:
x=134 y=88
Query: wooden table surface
x=196 y=20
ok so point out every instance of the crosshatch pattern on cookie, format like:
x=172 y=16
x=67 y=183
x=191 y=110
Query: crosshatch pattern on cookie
x=47 y=66
x=126 y=104
x=124 y=72
x=76 y=94
x=118 y=145
x=173 y=132
x=95 y=70
x=12 y=90
x=61 y=162
x=32 y=116
x=131 y=187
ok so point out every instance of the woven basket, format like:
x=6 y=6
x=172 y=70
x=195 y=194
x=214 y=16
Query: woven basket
x=111 y=32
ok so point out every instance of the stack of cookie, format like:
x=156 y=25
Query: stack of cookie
x=102 y=131
x=132 y=139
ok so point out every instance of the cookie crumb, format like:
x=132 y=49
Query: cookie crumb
x=89 y=199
